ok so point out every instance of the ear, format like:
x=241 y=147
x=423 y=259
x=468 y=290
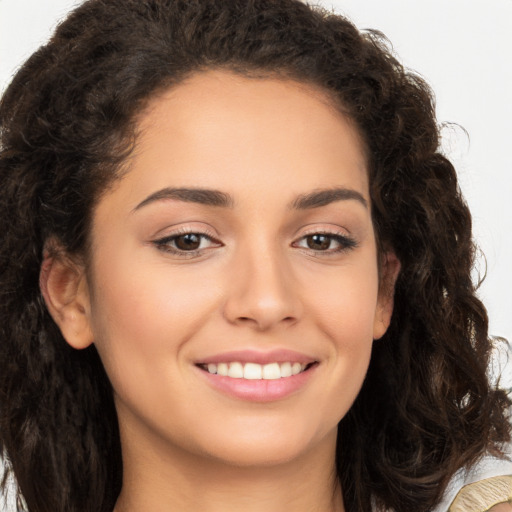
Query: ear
x=64 y=287
x=389 y=270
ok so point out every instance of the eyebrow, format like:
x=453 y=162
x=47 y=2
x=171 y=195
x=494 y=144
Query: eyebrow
x=319 y=198
x=204 y=196
x=209 y=197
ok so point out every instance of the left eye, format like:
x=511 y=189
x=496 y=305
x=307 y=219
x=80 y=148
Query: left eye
x=325 y=242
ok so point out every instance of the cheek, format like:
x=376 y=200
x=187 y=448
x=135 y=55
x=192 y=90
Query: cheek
x=345 y=302
x=143 y=320
x=343 y=307
x=142 y=313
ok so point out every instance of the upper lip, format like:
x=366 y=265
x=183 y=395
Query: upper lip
x=259 y=357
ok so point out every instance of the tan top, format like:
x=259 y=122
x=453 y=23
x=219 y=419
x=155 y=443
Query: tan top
x=483 y=495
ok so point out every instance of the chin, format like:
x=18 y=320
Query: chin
x=253 y=455
x=270 y=446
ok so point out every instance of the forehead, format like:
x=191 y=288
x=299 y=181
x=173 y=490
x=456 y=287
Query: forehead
x=223 y=130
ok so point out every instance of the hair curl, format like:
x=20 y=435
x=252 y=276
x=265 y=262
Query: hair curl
x=67 y=124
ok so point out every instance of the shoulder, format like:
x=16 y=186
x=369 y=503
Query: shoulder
x=502 y=507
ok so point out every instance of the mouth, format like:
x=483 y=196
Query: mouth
x=256 y=371
x=256 y=376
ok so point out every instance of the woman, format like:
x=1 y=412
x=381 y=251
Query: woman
x=210 y=212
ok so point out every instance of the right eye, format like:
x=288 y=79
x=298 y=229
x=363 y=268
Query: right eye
x=186 y=244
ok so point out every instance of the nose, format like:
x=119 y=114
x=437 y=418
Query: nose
x=262 y=293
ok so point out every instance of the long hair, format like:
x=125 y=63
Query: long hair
x=67 y=124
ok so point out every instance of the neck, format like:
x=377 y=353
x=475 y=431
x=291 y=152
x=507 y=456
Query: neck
x=162 y=479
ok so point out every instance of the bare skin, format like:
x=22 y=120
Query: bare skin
x=281 y=259
x=501 y=507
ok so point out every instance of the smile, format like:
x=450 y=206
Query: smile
x=253 y=375
x=255 y=371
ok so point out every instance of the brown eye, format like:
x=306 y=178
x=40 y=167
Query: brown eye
x=319 y=242
x=188 y=242
x=186 y=245
x=327 y=243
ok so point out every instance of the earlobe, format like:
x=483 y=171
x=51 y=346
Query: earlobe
x=64 y=287
x=390 y=268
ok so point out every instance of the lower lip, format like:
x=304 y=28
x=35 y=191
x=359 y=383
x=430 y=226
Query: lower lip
x=260 y=390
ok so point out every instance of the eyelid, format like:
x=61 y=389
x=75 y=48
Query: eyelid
x=325 y=229
x=185 y=230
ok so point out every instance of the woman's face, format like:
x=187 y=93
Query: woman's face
x=240 y=241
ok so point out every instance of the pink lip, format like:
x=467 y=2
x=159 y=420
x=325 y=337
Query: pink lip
x=255 y=356
x=259 y=390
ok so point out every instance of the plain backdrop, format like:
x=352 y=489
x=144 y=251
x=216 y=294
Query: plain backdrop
x=461 y=47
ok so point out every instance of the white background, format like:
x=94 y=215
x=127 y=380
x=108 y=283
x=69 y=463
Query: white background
x=463 y=49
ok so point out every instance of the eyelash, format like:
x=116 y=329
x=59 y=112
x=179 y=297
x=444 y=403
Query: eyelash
x=164 y=244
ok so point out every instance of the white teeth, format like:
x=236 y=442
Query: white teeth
x=297 y=368
x=254 y=371
x=271 y=371
x=286 y=370
x=236 y=370
x=222 y=369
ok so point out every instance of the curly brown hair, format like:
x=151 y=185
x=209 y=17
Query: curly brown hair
x=67 y=123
